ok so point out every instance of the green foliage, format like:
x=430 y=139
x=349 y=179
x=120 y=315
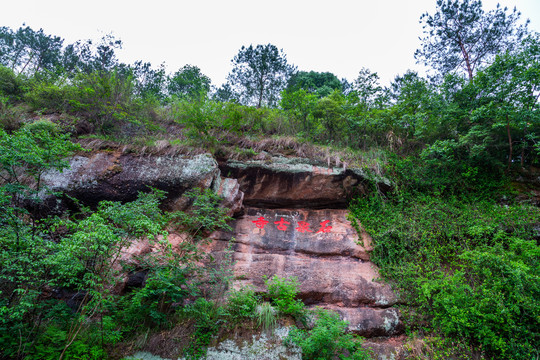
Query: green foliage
x=104 y=98
x=300 y=105
x=469 y=267
x=208 y=317
x=11 y=86
x=189 y=83
x=49 y=97
x=149 y=83
x=28 y=51
x=266 y=317
x=259 y=74
x=461 y=35
x=370 y=93
x=11 y=116
x=88 y=345
x=205 y=214
x=508 y=108
x=319 y=84
x=283 y=293
x=34 y=257
x=492 y=299
x=242 y=304
x=156 y=303
x=329 y=112
x=328 y=339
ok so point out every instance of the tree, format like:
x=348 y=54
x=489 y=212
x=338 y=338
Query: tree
x=370 y=93
x=508 y=93
x=318 y=83
x=259 y=74
x=461 y=35
x=88 y=56
x=415 y=104
x=300 y=105
x=149 y=83
x=189 y=83
x=29 y=51
x=329 y=112
x=225 y=93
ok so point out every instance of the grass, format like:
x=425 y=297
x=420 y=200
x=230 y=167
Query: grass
x=266 y=317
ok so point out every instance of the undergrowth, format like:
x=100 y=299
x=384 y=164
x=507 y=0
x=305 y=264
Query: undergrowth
x=468 y=268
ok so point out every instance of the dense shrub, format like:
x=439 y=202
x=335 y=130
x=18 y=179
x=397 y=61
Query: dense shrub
x=208 y=317
x=469 y=267
x=242 y=304
x=328 y=339
x=283 y=293
x=11 y=86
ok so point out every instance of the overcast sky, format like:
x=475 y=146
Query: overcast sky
x=340 y=36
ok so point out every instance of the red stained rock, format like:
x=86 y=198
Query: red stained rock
x=333 y=270
x=297 y=183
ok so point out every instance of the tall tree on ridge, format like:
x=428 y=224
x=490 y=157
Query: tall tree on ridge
x=461 y=35
x=260 y=73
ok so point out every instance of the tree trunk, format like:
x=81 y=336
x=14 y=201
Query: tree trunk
x=260 y=97
x=509 y=142
x=466 y=58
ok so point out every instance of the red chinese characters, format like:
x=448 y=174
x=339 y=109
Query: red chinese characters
x=260 y=222
x=324 y=227
x=303 y=227
x=282 y=224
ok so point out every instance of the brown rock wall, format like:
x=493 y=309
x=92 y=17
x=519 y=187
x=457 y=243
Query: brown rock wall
x=333 y=270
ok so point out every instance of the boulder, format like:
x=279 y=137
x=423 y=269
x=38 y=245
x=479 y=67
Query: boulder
x=233 y=198
x=120 y=177
x=282 y=182
x=370 y=322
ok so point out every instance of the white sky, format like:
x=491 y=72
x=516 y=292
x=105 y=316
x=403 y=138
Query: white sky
x=340 y=36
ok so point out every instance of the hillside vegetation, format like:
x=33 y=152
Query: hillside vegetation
x=458 y=236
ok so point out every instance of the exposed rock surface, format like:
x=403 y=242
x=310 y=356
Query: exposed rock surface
x=120 y=177
x=229 y=190
x=334 y=271
x=293 y=225
x=297 y=183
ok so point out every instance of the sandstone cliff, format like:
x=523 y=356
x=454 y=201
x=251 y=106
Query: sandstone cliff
x=290 y=220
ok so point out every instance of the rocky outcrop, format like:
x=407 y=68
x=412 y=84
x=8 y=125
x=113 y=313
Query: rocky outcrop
x=282 y=182
x=321 y=249
x=294 y=224
x=120 y=177
x=229 y=191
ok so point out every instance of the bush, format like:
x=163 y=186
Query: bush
x=492 y=300
x=242 y=304
x=328 y=339
x=283 y=294
x=11 y=116
x=155 y=304
x=468 y=267
x=11 y=86
x=49 y=97
x=208 y=317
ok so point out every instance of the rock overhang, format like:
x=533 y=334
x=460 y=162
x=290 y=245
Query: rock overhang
x=299 y=183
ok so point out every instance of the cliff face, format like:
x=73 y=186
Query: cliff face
x=295 y=225
x=321 y=249
x=290 y=221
